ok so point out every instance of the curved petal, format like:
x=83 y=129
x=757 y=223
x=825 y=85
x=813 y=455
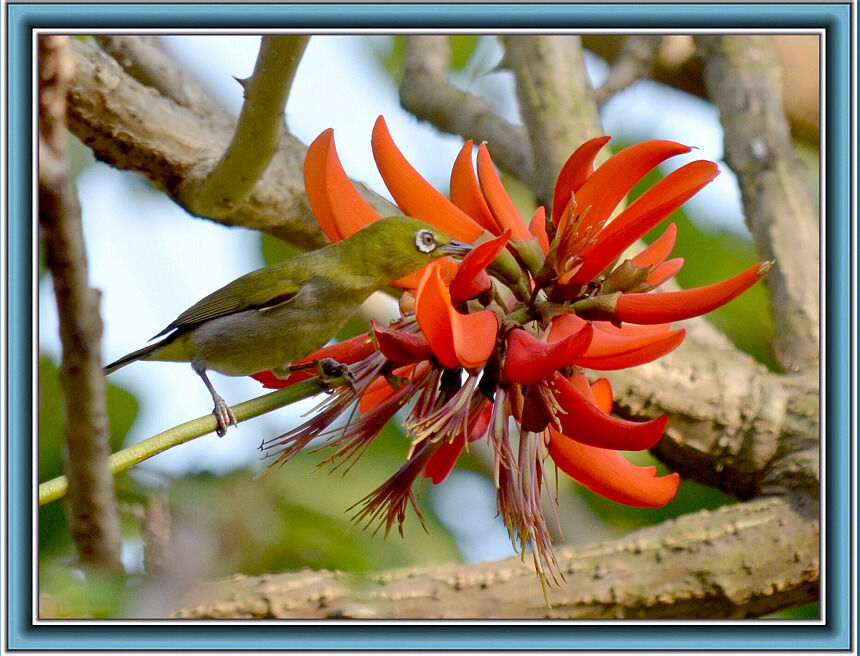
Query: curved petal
x=659 y=249
x=465 y=192
x=601 y=392
x=609 y=474
x=380 y=390
x=338 y=207
x=401 y=347
x=584 y=422
x=497 y=197
x=675 y=306
x=529 y=360
x=604 y=189
x=642 y=215
x=349 y=351
x=443 y=461
x=414 y=195
x=574 y=173
x=537 y=227
x=457 y=339
x=471 y=280
x=608 y=353
x=662 y=272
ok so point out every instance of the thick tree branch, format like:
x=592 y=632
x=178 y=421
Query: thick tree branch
x=94 y=518
x=426 y=92
x=742 y=76
x=739 y=561
x=133 y=127
x=556 y=102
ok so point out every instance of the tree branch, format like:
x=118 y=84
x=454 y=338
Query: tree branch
x=739 y=561
x=742 y=76
x=259 y=130
x=426 y=92
x=94 y=517
x=556 y=102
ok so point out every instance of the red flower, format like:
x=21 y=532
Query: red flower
x=512 y=330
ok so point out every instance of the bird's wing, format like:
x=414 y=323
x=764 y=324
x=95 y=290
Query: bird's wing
x=256 y=290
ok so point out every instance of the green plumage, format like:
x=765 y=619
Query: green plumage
x=276 y=315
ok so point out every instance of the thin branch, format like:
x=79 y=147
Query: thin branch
x=636 y=60
x=556 y=102
x=258 y=134
x=426 y=92
x=739 y=561
x=144 y=450
x=94 y=517
x=145 y=59
x=743 y=80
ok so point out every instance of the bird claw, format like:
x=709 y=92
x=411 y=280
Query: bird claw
x=224 y=416
x=329 y=369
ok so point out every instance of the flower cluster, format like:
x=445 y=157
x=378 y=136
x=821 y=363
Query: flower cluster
x=498 y=347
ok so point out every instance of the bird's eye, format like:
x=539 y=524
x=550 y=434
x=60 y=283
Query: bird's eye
x=425 y=241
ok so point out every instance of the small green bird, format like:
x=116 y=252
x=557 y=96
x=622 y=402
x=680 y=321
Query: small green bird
x=276 y=315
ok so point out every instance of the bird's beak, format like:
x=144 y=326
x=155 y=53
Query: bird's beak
x=456 y=248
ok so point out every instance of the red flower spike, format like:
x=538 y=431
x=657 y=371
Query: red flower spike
x=585 y=423
x=601 y=193
x=414 y=195
x=608 y=353
x=659 y=249
x=662 y=272
x=529 y=360
x=645 y=213
x=674 y=306
x=443 y=461
x=401 y=347
x=500 y=203
x=338 y=207
x=349 y=351
x=538 y=228
x=471 y=280
x=466 y=194
x=601 y=392
x=574 y=173
x=457 y=339
x=609 y=474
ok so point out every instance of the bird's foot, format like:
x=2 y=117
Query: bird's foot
x=224 y=416
x=329 y=369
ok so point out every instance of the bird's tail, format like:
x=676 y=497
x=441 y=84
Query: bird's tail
x=140 y=354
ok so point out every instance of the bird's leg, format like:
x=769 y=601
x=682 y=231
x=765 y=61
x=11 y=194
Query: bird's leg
x=223 y=414
x=327 y=369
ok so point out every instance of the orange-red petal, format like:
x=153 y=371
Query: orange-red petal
x=399 y=346
x=537 y=227
x=414 y=195
x=380 y=389
x=574 y=173
x=609 y=474
x=662 y=272
x=584 y=422
x=612 y=352
x=465 y=192
x=497 y=197
x=442 y=462
x=471 y=280
x=338 y=207
x=659 y=249
x=601 y=392
x=674 y=306
x=457 y=339
x=642 y=215
x=529 y=360
x=604 y=189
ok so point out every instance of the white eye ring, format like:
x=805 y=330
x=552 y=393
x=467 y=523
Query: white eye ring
x=425 y=241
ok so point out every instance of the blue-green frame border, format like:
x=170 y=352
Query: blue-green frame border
x=836 y=18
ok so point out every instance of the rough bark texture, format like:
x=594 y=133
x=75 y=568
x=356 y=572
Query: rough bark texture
x=93 y=514
x=739 y=561
x=733 y=424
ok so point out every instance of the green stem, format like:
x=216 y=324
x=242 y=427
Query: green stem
x=137 y=453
